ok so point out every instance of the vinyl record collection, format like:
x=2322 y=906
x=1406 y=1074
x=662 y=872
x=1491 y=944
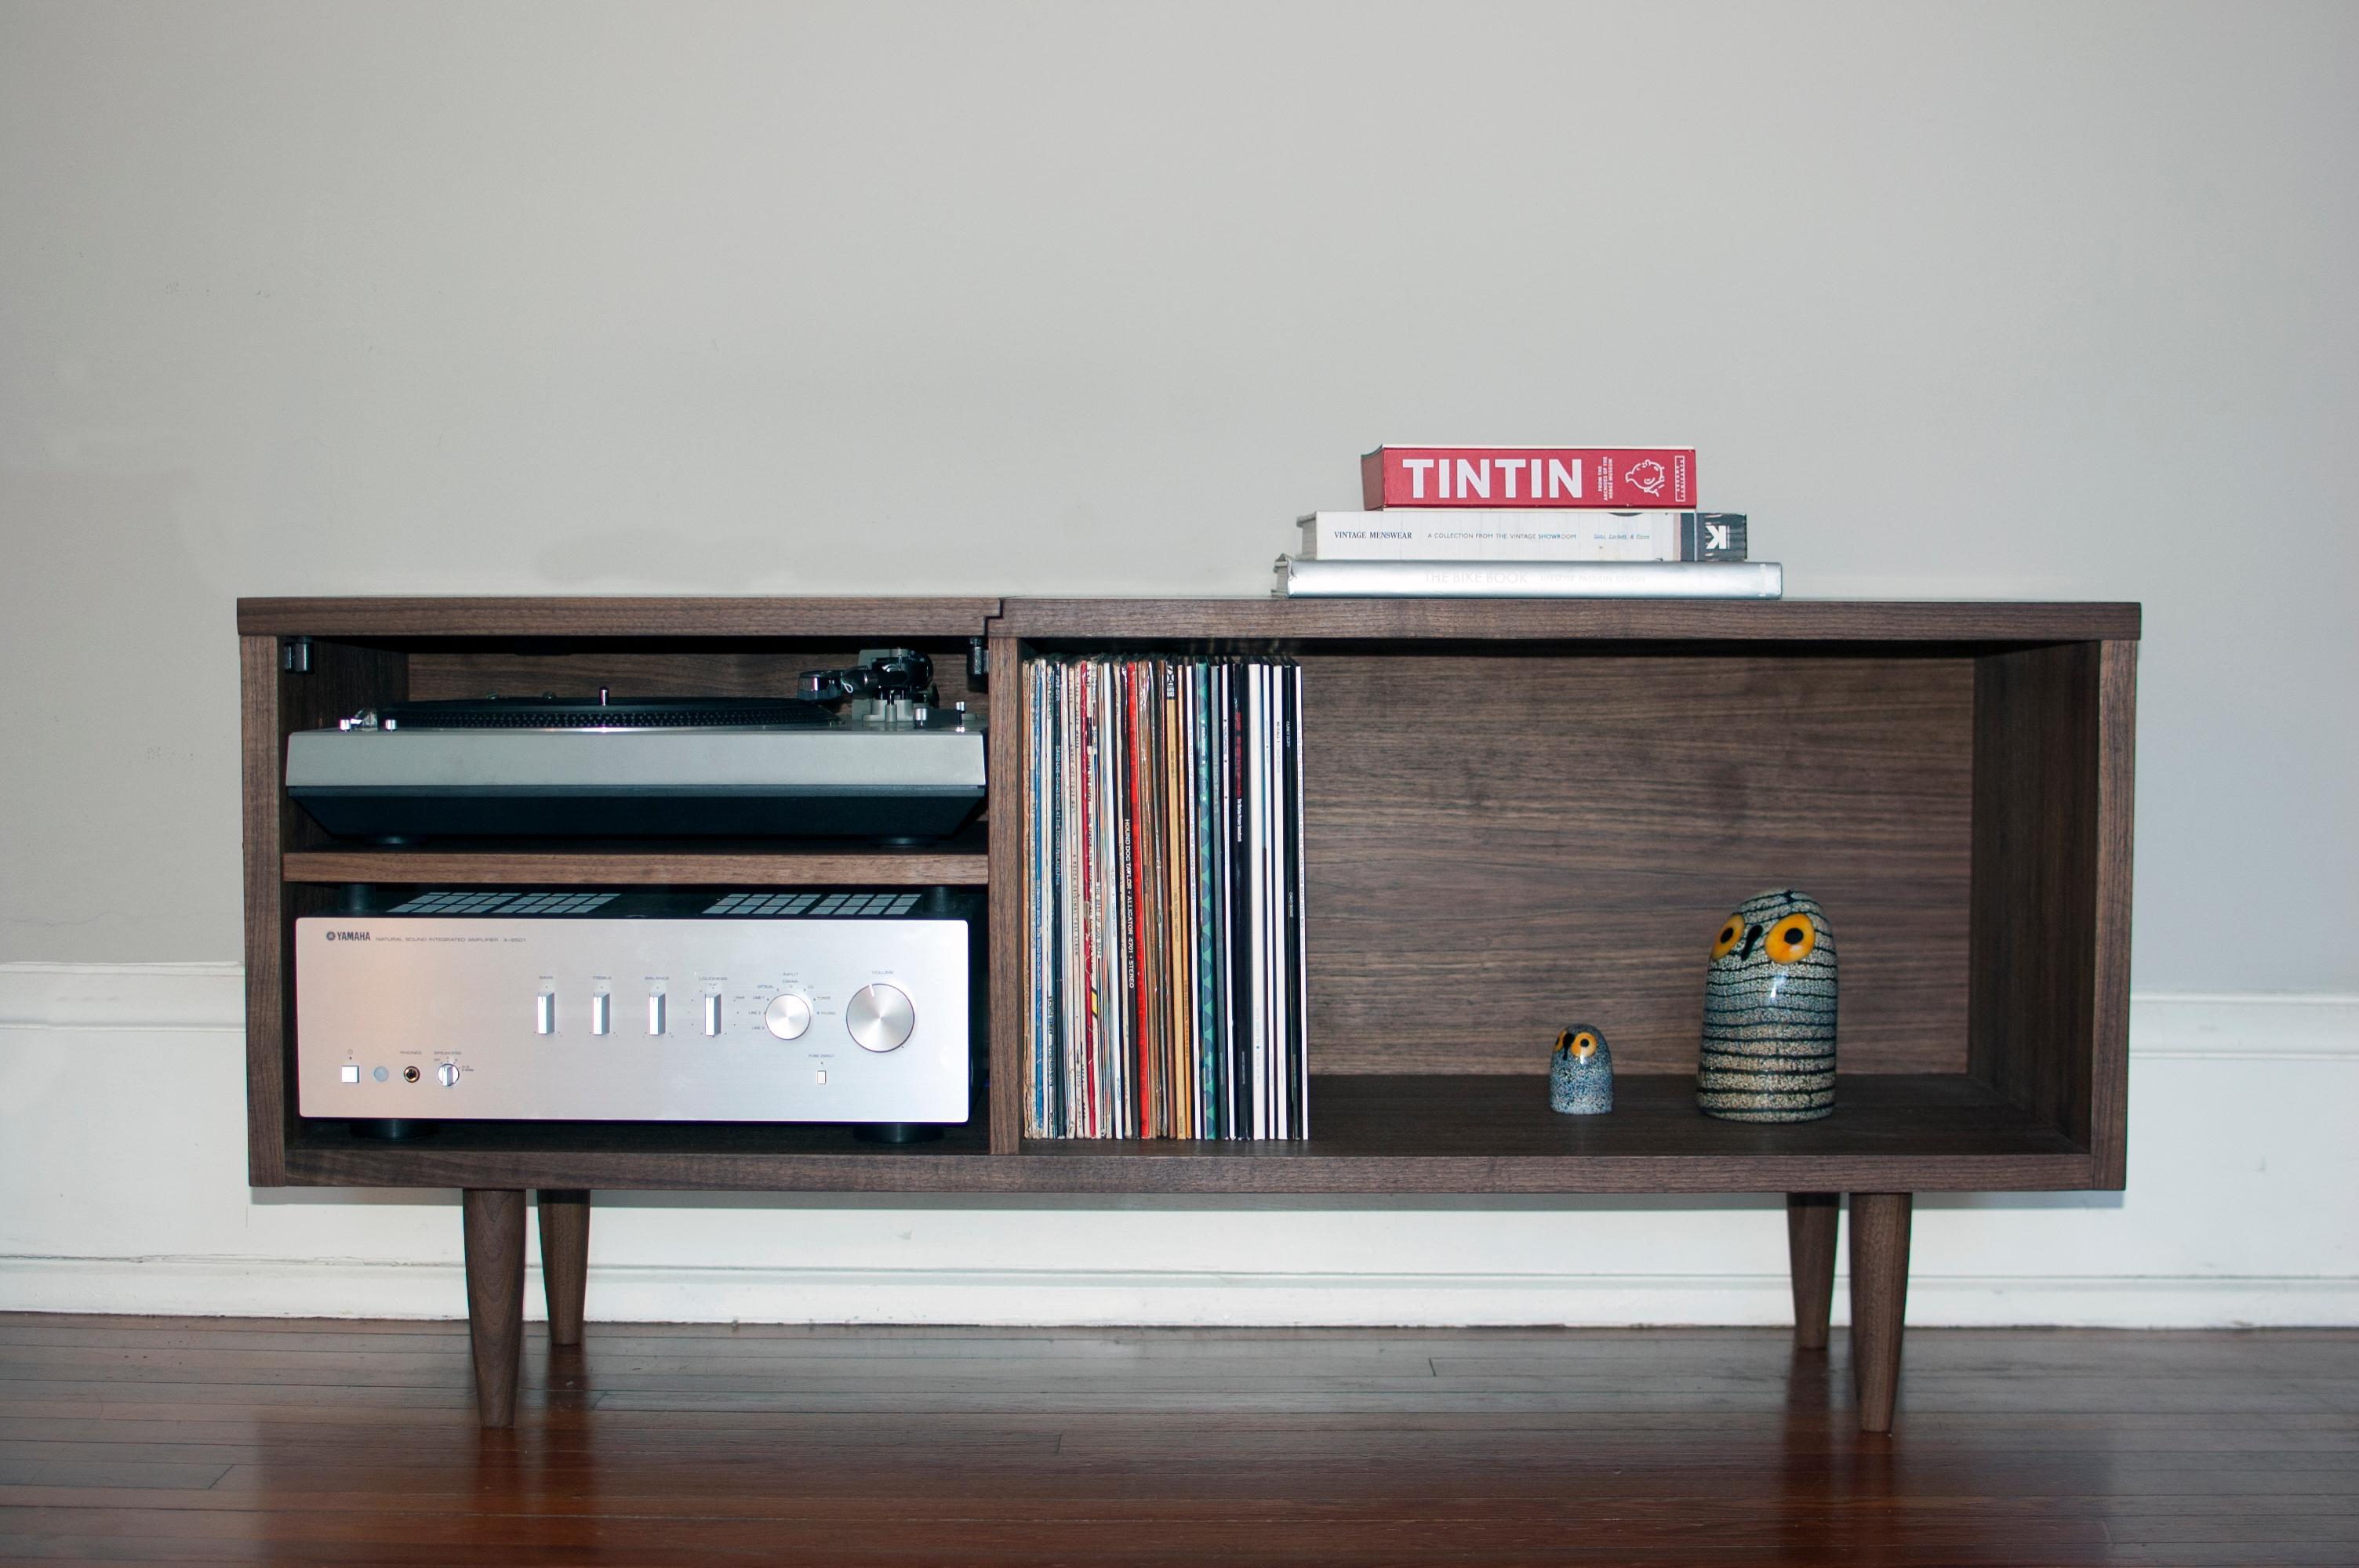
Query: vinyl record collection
x=1165 y=878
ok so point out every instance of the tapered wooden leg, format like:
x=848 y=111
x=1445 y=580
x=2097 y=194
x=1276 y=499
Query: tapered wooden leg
x=1879 y=1298
x=565 y=1260
x=1810 y=1248
x=494 y=1220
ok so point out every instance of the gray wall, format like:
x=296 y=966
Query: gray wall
x=2040 y=301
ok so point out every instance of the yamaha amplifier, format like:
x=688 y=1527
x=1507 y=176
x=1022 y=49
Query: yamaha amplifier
x=589 y=1005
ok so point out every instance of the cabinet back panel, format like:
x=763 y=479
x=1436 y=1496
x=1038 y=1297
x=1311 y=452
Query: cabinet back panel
x=1498 y=847
x=636 y=673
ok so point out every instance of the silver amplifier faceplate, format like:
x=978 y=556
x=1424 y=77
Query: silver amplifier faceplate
x=636 y=1007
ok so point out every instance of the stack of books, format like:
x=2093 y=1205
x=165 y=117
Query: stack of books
x=1545 y=522
x=1164 y=876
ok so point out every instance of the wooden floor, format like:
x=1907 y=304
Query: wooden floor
x=212 y=1439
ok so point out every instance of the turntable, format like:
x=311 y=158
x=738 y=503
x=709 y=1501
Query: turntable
x=864 y=752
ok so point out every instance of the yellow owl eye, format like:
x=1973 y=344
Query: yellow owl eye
x=1791 y=939
x=1584 y=1044
x=1730 y=936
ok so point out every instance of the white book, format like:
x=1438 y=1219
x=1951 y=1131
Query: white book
x=1298 y=578
x=1443 y=534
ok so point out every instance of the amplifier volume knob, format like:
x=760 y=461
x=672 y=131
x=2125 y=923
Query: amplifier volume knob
x=880 y=1017
x=786 y=1016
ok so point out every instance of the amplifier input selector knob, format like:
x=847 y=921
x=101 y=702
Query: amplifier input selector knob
x=786 y=1016
x=880 y=1017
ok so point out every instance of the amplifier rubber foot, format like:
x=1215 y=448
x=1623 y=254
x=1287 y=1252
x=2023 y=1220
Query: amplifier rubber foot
x=897 y=1131
x=393 y=1129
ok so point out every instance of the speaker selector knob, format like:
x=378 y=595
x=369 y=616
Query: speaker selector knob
x=880 y=1017
x=786 y=1016
x=447 y=1075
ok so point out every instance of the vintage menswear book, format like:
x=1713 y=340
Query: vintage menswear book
x=1440 y=534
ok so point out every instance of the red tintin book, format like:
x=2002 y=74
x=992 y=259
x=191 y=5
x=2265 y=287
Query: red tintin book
x=1627 y=478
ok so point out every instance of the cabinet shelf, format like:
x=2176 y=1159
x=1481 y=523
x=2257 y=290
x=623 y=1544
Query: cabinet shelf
x=958 y=861
x=1375 y=1133
x=1495 y=1133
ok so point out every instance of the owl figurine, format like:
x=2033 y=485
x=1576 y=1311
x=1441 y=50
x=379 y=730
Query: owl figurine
x=1580 y=1073
x=1769 y=1013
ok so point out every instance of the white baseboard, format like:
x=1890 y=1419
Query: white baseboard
x=123 y=1157
x=1092 y=1298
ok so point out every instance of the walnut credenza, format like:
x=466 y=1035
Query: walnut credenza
x=1516 y=812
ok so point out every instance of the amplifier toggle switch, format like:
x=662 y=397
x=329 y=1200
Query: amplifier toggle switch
x=787 y=1016
x=880 y=1017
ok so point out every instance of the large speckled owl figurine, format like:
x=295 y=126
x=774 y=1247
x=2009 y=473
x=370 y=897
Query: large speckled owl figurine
x=1769 y=1013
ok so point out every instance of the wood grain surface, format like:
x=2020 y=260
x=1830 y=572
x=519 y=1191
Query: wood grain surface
x=957 y=862
x=700 y=669
x=2109 y=1013
x=1054 y=620
x=2031 y=1011
x=2048 y=1016
x=1500 y=847
x=273 y=702
x=1009 y=911
x=703 y=616
x=564 y=1260
x=1811 y=1222
x=269 y=1014
x=491 y=1224
x=248 y=1441
x=1879 y=1301
x=1440 y=1133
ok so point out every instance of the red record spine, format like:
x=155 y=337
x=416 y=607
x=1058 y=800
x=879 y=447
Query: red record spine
x=1135 y=904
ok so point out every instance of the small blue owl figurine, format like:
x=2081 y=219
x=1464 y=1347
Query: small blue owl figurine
x=1580 y=1073
x=1769 y=1013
